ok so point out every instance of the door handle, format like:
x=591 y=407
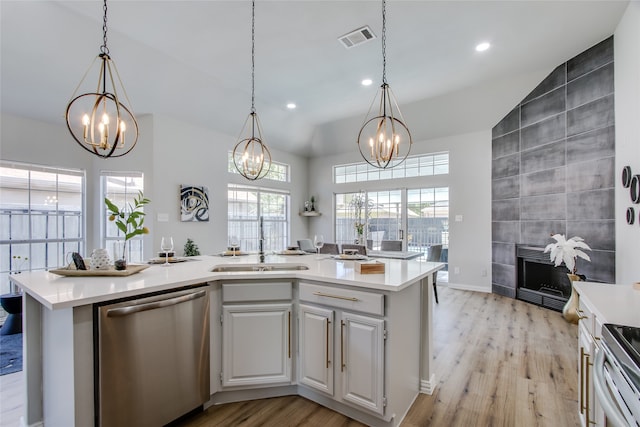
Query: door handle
x=401 y=234
x=125 y=311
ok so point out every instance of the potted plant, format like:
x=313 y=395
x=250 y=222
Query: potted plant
x=567 y=251
x=190 y=248
x=129 y=220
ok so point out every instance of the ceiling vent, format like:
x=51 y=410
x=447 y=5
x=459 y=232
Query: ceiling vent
x=356 y=37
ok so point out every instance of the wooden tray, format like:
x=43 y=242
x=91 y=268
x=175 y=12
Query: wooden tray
x=72 y=272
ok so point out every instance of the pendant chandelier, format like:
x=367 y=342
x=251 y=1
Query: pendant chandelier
x=251 y=156
x=99 y=121
x=384 y=140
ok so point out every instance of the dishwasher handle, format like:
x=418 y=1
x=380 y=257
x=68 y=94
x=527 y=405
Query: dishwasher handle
x=125 y=311
x=613 y=414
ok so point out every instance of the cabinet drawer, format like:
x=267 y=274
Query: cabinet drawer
x=366 y=302
x=587 y=318
x=256 y=291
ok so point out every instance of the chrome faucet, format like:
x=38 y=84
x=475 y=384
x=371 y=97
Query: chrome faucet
x=261 y=238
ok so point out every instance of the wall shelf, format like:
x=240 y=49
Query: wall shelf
x=310 y=213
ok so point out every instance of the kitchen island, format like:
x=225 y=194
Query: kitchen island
x=395 y=306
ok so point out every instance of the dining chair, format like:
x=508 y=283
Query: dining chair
x=329 y=248
x=435 y=252
x=362 y=250
x=306 y=245
x=391 y=245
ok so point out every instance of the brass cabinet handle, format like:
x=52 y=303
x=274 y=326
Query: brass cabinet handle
x=586 y=357
x=581 y=380
x=322 y=294
x=327 y=343
x=580 y=314
x=342 y=365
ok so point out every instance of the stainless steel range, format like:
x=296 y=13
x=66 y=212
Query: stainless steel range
x=617 y=375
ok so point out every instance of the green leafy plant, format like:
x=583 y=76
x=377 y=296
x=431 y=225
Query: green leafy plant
x=191 y=249
x=567 y=251
x=129 y=219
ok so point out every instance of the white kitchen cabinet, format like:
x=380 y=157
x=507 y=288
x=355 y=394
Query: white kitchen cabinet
x=315 y=340
x=257 y=344
x=357 y=359
x=256 y=333
x=362 y=361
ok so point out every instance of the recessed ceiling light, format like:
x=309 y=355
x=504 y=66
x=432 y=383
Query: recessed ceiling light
x=291 y=106
x=367 y=82
x=483 y=46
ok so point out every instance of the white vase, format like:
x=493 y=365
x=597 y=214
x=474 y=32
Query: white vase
x=100 y=260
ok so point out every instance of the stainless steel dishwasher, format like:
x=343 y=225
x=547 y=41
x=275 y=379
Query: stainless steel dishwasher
x=153 y=358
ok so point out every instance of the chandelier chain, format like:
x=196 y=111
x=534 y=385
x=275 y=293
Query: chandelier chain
x=104 y=49
x=253 y=56
x=384 y=42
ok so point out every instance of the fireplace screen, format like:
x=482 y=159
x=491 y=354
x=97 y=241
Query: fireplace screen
x=539 y=281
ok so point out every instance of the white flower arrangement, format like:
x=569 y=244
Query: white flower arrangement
x=567 y=251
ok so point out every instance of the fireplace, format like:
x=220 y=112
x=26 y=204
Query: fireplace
x=539 y=281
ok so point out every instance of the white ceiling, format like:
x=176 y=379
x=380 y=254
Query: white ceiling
x=191 y=60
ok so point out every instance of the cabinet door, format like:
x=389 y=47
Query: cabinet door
x=257 y=344
x=362 y=361
x=315 y=338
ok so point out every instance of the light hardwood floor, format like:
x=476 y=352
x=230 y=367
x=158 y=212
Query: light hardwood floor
x=499 y=361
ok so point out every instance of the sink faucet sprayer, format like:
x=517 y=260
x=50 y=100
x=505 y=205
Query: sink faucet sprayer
x=261 y=238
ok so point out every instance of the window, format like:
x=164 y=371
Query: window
x=423 y=165
x=428 y=218
x=41 y=217
x=278 y=171
x=246 y=205
x=121 y=188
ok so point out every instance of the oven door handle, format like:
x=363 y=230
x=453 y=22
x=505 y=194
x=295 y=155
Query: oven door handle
x=614 y=417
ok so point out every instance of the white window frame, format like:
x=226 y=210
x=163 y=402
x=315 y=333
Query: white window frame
x=57 y=248
x=110 y=237
x=246 y=227
x=414 y=166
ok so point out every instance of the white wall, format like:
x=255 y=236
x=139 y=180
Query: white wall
x=188 y=154
x=169 y=153
x=469 y=182
x=627 y=105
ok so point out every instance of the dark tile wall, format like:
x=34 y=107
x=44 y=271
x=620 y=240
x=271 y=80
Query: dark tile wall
x=553 y=168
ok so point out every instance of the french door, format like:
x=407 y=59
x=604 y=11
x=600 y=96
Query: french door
x=413 y=218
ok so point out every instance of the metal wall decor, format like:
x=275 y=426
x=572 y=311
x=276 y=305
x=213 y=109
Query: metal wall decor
x=632 y=182
x=194 y=203
x=251 y=157
x=99 y=120
x=384 y=139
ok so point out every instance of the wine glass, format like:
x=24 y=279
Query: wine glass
x=318 y=242
x=166 y=246
x=234 y=244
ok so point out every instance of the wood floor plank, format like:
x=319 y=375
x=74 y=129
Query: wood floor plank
x=499 y=362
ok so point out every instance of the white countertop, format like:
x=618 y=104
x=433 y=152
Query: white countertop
x=56 y=292
x=618 y=304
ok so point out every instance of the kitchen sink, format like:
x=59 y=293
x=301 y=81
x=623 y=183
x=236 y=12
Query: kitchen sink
x=258 y=267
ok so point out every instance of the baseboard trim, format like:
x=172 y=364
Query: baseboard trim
x=428 y=386
x=473 y=288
